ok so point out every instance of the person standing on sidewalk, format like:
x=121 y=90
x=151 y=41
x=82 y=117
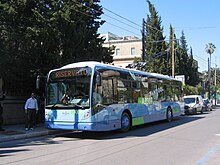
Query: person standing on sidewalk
x=31 y=108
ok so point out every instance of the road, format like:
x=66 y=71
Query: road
x=187 y=140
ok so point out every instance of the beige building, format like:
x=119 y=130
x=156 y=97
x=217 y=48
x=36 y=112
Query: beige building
x=127 y=48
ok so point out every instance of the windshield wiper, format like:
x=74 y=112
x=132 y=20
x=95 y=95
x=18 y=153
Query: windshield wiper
x=52 y=106
x=80 y=106
x=69 y=105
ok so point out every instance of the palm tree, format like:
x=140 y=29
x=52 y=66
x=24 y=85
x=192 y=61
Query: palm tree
x=210 y=48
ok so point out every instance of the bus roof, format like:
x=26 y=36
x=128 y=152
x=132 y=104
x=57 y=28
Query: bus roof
x=93 y=64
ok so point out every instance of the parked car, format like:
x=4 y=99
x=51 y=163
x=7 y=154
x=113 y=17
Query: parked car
x=193 y=104
x=207 y=105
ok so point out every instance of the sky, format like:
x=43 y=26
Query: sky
x=198 y=19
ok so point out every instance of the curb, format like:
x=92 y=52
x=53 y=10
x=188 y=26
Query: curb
x=27 y=135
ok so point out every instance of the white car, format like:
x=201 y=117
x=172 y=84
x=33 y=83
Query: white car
x=207 y=104
x=193 y=104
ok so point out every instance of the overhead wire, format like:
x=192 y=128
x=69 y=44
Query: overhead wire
x=124 y=23
x=130 y=20
x=119 y=20
x=122 y=28
x=122 y=17
x=113 y=19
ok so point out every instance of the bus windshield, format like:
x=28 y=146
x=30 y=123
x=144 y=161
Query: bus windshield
x=68 y=92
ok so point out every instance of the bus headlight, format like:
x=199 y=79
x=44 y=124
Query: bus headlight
x=48 y=116
x=86 y=115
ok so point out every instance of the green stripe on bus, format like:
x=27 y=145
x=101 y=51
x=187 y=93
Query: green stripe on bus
x=176 y=110
x=138 y=121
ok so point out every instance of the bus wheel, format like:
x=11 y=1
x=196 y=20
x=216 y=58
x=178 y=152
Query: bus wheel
x=169 y=115
x=125 y=122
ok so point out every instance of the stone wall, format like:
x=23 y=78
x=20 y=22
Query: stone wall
x=13 y=110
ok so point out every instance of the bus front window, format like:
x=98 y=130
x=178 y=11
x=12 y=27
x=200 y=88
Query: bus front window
x=72 y=92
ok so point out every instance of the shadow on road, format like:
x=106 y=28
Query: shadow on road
x=142 y=130
x=138 y=131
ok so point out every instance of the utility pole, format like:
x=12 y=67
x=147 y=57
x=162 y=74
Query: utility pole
x=173 y=58
x=215 y=79
x=209 y=80
x=143 y=40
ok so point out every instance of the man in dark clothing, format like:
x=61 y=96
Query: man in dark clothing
x=31 y=108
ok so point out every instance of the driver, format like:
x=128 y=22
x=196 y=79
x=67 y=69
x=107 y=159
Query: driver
x=79 y=93
x=66 y=97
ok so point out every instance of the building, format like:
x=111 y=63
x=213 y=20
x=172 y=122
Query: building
x=127 y=48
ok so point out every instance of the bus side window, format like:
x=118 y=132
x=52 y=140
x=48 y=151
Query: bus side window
x=136 y=92
x=161 y=94
x=177 y=93
x=124 y=91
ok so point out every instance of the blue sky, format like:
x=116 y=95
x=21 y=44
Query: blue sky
x=199 y=19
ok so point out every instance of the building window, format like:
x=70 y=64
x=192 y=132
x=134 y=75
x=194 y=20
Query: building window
x=117 y=51
x=133 y=51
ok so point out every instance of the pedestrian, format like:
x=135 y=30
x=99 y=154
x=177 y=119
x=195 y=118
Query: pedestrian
x=31 y=109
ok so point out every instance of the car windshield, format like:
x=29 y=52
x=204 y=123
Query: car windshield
x=206 y=101
x=189 y=100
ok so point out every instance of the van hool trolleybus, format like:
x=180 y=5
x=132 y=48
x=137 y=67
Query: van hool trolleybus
x=91 y=96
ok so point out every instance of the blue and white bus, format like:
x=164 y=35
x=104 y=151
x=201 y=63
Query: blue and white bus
x=113 y=97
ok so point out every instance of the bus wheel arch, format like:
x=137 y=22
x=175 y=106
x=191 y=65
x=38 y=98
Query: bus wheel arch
x=169 y=114
x=126 y=121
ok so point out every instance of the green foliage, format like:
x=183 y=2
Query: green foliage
x=210 y=48
x=36 y=36
x=158 y=51
x=189 y=90
x=212 y=79
x=155 y=50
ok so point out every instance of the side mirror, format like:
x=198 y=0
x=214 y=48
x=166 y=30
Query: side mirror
x=38 y=82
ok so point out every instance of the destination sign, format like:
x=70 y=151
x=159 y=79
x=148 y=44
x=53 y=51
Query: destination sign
x=68 y=73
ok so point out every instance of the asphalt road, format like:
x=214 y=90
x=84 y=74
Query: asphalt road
x=193 y=139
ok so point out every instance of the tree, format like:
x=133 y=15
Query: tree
x=192 y=70
x=155 y=44
x=36 y=36
x=210 y=48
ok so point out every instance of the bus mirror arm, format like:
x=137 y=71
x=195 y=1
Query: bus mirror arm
x=39 y=78
x=38 y=82
x=100 y=105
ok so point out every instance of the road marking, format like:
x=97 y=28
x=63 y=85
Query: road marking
x=209 y=154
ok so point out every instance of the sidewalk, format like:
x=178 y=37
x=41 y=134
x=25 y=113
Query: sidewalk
x=15 y=132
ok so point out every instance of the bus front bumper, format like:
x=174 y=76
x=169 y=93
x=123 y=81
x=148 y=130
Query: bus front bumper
x=98 y=126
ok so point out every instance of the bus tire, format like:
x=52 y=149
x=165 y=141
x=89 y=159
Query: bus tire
x=125 y=122
x=169 y=114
